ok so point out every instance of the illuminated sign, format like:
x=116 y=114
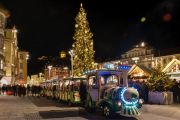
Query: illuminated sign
x=124 y=67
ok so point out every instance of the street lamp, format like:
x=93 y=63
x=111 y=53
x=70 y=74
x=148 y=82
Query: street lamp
x=72 y=56
x=27 y=56
x=50 y=67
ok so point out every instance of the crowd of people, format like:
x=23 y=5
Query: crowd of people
x=37 y=90
x=21 y=90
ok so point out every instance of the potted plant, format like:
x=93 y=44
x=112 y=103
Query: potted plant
x=159 y=85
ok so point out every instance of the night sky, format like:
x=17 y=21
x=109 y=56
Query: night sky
x=46 y=27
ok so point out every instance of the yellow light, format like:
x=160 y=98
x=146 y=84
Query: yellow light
x=143 y=19
x=62 y=54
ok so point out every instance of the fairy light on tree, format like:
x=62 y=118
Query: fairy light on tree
x=83 y=45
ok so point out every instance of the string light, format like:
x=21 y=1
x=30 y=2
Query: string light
x=83 y=45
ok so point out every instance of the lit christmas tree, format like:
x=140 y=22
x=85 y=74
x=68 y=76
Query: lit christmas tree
x=83 y=45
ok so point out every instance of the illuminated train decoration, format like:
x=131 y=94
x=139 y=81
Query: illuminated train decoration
x=106 y=93
x=122 y=100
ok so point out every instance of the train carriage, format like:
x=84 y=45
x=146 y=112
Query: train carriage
x=69 y=90
x=107 y=94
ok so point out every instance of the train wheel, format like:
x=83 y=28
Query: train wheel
x=107 y=111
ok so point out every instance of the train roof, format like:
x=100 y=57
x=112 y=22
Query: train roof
x=74 y=78
x=91 y=72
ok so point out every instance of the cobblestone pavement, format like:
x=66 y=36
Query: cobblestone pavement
x=37 y=108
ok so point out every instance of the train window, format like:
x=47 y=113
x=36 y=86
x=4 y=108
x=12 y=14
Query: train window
x=113 y=79
x=92 y=80
x=76 y=88
x=102 y=80
x=105 y=94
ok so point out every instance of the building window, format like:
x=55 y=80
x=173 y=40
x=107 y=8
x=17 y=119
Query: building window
x=149 y=65
x=21 y=56
x=123 y=56
x=21 y=75
x=21 y=65
x=148 y=51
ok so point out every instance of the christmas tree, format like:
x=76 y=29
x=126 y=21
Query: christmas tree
x=83 y=45
x=159 y=81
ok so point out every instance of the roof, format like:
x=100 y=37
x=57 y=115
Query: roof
x=145 y=69
x=170 y=64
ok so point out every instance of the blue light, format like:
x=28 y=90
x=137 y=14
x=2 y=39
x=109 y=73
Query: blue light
x=124 y=67
x=123 y=99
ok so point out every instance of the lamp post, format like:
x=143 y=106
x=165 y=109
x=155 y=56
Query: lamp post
x=72 y=56
x=49 y=68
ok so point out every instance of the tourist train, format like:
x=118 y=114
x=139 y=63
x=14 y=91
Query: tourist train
x=105 y=91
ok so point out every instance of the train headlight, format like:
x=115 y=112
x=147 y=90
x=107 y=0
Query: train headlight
x=119 y=103
x=141 y=101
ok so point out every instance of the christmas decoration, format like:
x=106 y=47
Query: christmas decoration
x=159 y=81
x=83 y=45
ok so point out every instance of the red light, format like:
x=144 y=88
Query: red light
x=167 y=17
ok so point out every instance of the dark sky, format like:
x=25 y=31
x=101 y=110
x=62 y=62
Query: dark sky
x=46 y=27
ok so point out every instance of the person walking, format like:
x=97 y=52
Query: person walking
x=14 y=90
x=3 y=89
x=83 y=93
x=175 y=91
x=23 y=90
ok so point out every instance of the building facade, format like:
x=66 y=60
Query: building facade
x=10 y=52
x=51 y=72
x=141 y=54
x=144 y=58
x=3 y=16
x=21 y=77
x=36 y=79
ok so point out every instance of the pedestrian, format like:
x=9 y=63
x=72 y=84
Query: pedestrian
x=83 y=93
x=20 y=89
x=33 y=90
x=3 y=89
x=23 y=90
x=14 y=90
x=178 y=92
x=175 y=91
x=39 y=89
x=146 y=91
x=28 y=90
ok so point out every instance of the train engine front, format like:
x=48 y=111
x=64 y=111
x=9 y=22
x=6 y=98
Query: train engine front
x=122 y=100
